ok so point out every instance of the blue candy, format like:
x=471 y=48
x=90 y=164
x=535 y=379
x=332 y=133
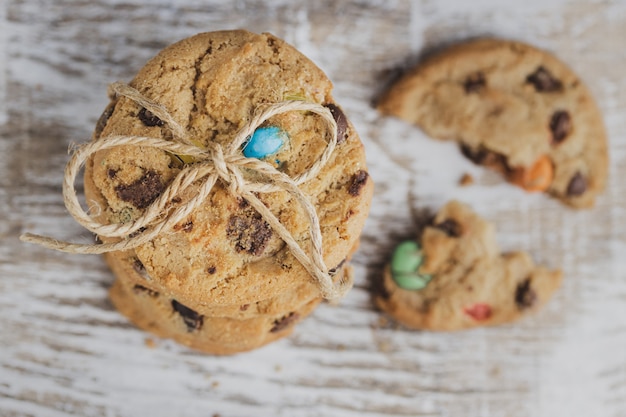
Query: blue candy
x=265 y=141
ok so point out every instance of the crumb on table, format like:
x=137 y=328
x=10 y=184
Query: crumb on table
x=466 y=180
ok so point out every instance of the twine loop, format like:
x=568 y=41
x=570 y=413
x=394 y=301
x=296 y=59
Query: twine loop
x=241 y=176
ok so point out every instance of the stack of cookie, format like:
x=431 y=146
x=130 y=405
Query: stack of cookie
x=221 y=279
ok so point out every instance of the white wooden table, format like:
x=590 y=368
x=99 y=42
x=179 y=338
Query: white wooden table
x=65 y=351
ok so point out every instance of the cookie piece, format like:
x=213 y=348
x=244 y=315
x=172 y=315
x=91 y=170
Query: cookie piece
x=511 y=107
x=454 y=277
x=168 y=318
x=224 y=253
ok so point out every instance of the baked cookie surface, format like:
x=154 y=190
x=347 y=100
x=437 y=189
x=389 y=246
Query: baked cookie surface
x=511 y=107
x=132 y=274
x=454 y=277
x=168 y=318
x=225 y=253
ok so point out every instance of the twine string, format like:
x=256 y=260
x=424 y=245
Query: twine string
x=212 y=164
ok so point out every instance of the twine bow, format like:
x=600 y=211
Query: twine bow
x=212 y=164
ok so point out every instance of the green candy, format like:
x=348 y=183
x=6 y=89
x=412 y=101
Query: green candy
x=407 y=257
x=406 y=260
x=412 y=281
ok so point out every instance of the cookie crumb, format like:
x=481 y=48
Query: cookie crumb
x=495 y=372
x=150 y=342
x=466 y=180
x=381 y=323
x=383 y=346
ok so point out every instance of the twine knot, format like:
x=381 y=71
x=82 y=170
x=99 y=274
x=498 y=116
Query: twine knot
x=211 y=164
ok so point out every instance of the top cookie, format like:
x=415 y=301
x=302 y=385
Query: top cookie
x=512 y=107
x=224 y=252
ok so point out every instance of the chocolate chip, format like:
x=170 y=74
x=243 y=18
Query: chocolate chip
x=474 y=155
x=284 y=322
x=138 y=266
x=543 y=81
x=334 y=270
x=560 y=126
x=211 y=270
x=243 y=203
x=111 y=173
x=148 y=118
x=140 y=269
x=525 y=296
x=142 y=192
x=358 y=182
x=273 y=44
x=577 y=185
x=475 y=83
x=192 y=319
x=251 y=233
x=104 y=118
x=138 y=289
x=450 y=227
x=483 y=156
x=340 y=119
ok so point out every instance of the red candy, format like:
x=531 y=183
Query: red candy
x=478 y=311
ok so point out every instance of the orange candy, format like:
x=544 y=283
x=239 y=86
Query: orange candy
x=538 y=177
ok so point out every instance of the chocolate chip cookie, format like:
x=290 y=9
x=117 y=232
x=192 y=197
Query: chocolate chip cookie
x=513 y=108
x=224 y=254
x=454 y=277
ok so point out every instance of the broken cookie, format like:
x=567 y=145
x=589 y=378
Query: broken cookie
x=513 y=108
x=454 y=277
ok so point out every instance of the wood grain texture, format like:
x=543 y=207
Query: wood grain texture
x=65 y=351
